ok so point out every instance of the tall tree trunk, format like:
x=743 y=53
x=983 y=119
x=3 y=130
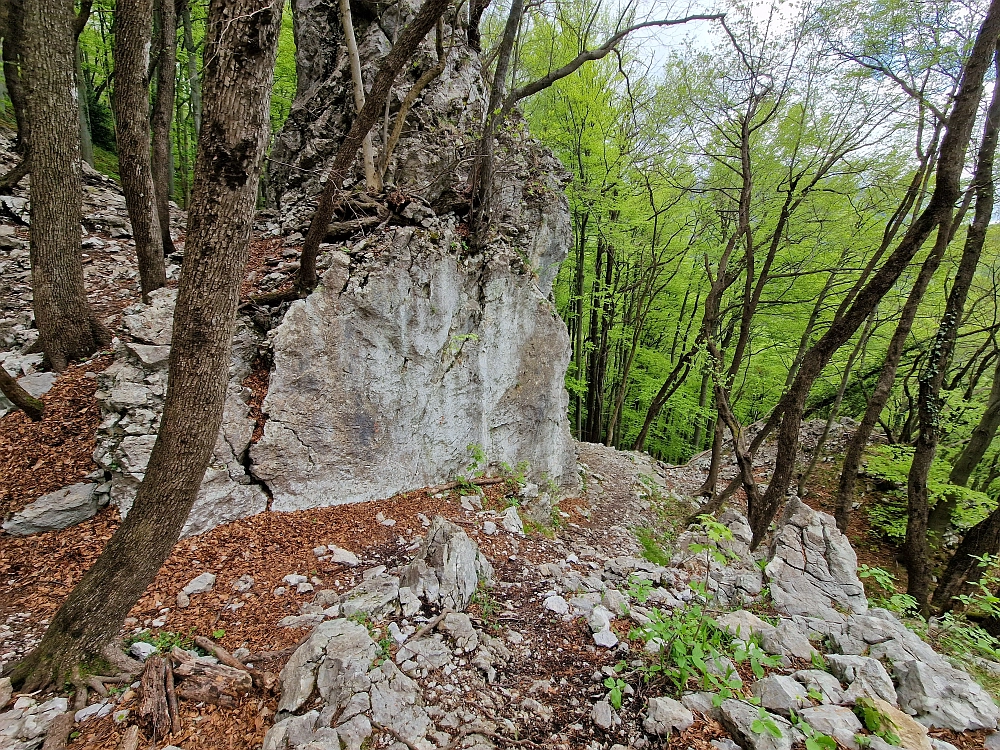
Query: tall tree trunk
x=930 y=403
x=241 y=40
x=581 y=245
x=163 y=113
x=67 y=326
x=373 y=179
x=699 y=427
x=194 y=77
x=13 y=41
x=402 y=51
x=130 y=102
x=982 y=436
x=86 y=142
x=883 y=386
x=981 y=539
x=947 y=190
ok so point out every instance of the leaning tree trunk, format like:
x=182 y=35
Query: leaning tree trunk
x=401 y=52
x=981 y=539
x=939 y=209
x=67 y=326
x=10 y=388
x=130 y=101
x=930 y=403
x=163 y=112
x=883 y=386
x=241 y=40
x=982 y=436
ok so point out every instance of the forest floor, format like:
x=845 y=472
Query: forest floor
x=632 y=505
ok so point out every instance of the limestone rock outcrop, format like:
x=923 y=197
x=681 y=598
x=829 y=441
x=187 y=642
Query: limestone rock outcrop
x=400 y=361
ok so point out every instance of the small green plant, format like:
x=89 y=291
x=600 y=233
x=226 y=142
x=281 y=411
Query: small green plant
x=764 y=723
x=458 y=341
x=818 y=661
x=875 y=720
x=615 y=686
x=218 y=634
x=814 y=694
x=885 y=582
x=164 y=641
x=815 y=740
x=748 y=651
x=489 y=607
x=473 y=471
x=639 y=588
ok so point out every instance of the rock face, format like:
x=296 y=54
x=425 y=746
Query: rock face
x=131 y=393
x=390 y=370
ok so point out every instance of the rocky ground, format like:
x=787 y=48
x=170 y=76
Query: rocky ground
x=441 y=618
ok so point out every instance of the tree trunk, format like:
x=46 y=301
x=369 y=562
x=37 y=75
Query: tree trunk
x=372 y=178
x=10 y=388
x=392 y=63
x=981 y=438
x=947 y=190
x=241 y=40
x=194 y=77
x=883 y=386
x=163 y=112
x=13 y=41
x=86 y=142
x=67 y=326
x=981 y=539
x=930 y=403
x=130 y=102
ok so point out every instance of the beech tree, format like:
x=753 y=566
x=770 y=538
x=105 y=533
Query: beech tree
x=162 y=117
x=130 y=101
x=67 y=325
x=239 y=67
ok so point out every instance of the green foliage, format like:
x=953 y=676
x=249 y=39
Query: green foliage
x=892 y=463
x=639 y=588
x=876 y=721
x=815 y=740
x=473 y=471
x=164 y=640
x=764 y=723
x=615 y=686
x=651 y=549
x=885 y=582
x=489 y=607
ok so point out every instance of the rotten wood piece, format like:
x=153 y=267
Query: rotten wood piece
x=153 y=710
x=131 y=739
x=201 y=680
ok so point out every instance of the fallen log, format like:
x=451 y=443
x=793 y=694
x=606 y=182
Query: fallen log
x=153 y=710
x=202 y=680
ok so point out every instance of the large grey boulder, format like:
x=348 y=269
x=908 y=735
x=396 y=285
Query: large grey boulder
x=863 y=676
x=56 y=510
x=131 y=393
x=813 y=570
x=391 y=369
x=781 y=694
x=664 y=715
x=939 y=695
x=447 y=568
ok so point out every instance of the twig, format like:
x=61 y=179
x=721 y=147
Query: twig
x=396 y=735
x=432 y=623
x=172 y=708
x=481 y=482
x=220 y=653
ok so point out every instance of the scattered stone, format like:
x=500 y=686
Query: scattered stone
x=342 y=556
x=664 y=714
x=556 y=604
x=447 y=568
x=511 y=521
x=142 y=650
x=200 y=585
x=489 y=528
x=377 y=597
x=243 y=584
x=742 y=624
x=821 y=682
x=603 y=715
x=738 y=718
x=781 y=694
x=93 y=711
x=787 y=639
x=832 y=720
x=942 y=696
x=6 y=691
x=56 y=510
x=865 y=677
x=606 y=639
x=912 y=734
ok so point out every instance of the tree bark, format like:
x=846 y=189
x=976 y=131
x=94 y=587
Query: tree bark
x=241 y=41
x=163 y=113
x=194 y=77
x=947 y=190
x=10 y=388
x=130 y=102
x=13 y=42
x=930 y=404
x=373 y=179
x=86 y=142
x=982 y=436
x=981 y=539
x=67 y=326
x=392 y=63
x=883 y=386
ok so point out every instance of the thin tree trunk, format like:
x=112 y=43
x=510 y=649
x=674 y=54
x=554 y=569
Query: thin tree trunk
x=982 y=436
x=670 y=385
x=13 y=41
x=699 y=428
x=67 y=325
x=241 y=40
x=86 y=142
x=194 y=77
x=130 y=102
x=883 y=386
x=163 y=112
x=10 y=388
x=392 y=63
x=372 y=178
x=930 y=403
x=981 y=539
x=947 y=190
x=835 y=408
